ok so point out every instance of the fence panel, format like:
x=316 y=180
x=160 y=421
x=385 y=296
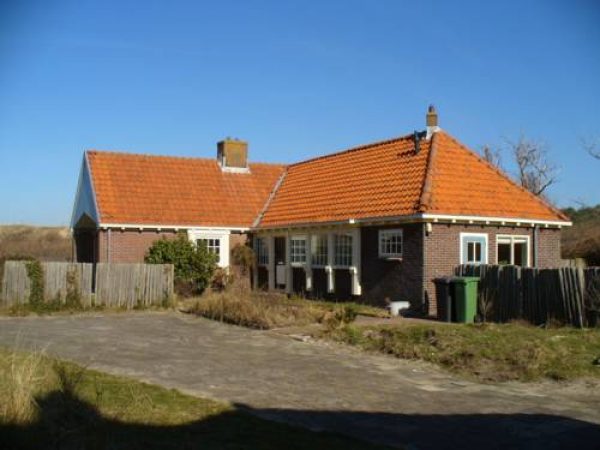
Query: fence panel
x=568 y=295
x=119 y=285
x=133 y=285
x=62 y=281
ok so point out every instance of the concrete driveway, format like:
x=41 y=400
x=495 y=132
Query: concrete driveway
x=319 y=385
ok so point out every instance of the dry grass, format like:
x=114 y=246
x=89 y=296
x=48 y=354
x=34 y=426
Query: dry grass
x=43 y=243
x=486 y=352
x=256 y=309
x=264 y=310
x=58 y=405
x=21 y=376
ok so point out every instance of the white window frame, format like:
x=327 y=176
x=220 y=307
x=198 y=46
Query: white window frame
x=336 y=261
x=293 y=257
x=262 y=251
x=223 y=235
x=485 y=253
x=513 y=238
x=314 y=248
x=210 y=245
x=384 y=234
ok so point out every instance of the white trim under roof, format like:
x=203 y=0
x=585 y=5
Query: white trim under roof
x=143 y=226
x=424 y=217
x=502 y=220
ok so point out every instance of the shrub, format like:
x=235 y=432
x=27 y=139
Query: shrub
x=194 y=264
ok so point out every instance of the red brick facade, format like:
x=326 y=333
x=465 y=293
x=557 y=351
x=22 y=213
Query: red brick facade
x=130 y=245
x=127 y=246
x=442 y=251
x=429 y=255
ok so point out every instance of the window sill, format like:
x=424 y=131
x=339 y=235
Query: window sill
x=391 y=258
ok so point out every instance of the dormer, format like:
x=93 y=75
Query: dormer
x=232 y=155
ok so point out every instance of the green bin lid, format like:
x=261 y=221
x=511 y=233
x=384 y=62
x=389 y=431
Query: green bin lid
x=465 y=280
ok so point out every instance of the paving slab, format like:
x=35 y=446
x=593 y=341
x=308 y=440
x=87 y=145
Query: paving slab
x=319 y=385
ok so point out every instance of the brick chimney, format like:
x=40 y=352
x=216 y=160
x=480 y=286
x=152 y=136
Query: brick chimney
x=431 y=121
x=232 y=155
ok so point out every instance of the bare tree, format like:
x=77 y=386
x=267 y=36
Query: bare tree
x=492 y=156
x=592 y=146
x=534 y=171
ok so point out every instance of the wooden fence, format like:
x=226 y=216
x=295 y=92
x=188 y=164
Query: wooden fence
x=120 y=285
x=567 y=295
x=133 y=285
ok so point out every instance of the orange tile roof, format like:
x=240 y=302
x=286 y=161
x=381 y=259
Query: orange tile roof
x=382 y=179
x=388 y=179
x=162 y=190
x=463 y=183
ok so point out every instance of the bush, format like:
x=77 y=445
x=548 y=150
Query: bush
x=194 y=264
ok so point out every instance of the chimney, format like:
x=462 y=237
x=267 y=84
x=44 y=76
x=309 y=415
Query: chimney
x=431 y=121
x=232 y=155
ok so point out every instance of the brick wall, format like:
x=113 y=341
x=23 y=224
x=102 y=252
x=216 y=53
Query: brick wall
x=549 y=250
x=396 y=280
x=442 y=251
x=128 y=246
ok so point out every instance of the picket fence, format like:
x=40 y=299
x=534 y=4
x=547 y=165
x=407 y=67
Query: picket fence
x=115 y=285
x=569 y=296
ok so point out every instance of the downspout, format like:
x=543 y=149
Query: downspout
x=108 y=245
x=536 y=230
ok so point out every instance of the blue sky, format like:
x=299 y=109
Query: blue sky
x=295 y=79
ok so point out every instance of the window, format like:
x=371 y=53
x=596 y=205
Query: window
x=319 y=250
x=213 y=245
x=390 y=243
x=473 y=248
x=513 y=250
x=343 y=250
x=298 y=250
x=262 y=253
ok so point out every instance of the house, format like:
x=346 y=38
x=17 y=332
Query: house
x=375 y=222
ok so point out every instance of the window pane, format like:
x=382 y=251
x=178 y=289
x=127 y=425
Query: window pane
x=520 y=249
x=478 y=252
x=503 y=253
x=471 y=252
x=343 y=250
x=319 y=250
x=298 y=250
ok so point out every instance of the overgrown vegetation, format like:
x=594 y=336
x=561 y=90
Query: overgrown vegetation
x=194 y=265
x=486 y=352
x=264 y=310
x=582 y=240
x=52 y=404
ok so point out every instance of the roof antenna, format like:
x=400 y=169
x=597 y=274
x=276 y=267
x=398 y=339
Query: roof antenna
x=417 y=137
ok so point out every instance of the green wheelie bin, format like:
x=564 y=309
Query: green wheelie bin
x=465 y=298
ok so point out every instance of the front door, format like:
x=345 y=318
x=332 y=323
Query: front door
x=280 y=261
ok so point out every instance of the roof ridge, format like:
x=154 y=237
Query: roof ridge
x=427 y=192
x=150 y=155
x=353 y=149
x=507 y=177
x=270 y=198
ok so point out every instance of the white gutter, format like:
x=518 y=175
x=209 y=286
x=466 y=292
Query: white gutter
x=138 y=226
x=421 y=217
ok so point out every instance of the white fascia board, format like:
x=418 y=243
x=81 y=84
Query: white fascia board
x=416 y=218
x=505 y=220
x=144 y=226
x=85 y=188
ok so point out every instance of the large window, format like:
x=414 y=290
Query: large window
x=298 y=250
x=213 y=245
x=343 y=250
x=512 y=250
x=319 y=250
x=473 y=248
x=262 y=253
x=390 y=243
